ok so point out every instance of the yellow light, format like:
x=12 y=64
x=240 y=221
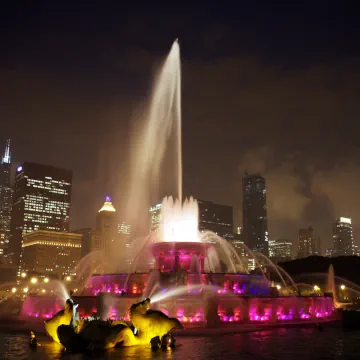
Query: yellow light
x=316 y=288
x=25 y=290
x=68 y=278
x=23 y=274
x=278 y=286
x=43 y=290
x=46 y=280
x=34 y=280
x=342 y=287
x=13 y=290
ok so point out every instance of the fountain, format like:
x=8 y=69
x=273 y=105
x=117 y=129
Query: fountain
x=196 y=278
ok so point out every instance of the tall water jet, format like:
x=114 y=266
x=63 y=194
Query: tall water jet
x=331 y=281
x=150 y=144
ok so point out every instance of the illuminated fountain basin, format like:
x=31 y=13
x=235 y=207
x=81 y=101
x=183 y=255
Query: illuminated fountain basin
x=171 y=256
x=182 y=286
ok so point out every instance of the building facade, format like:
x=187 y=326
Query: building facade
x=307 y=243
x=41 y=201
x=109 y=235
x=343 y=237
x=6 y=194
x=51 y=252
x=280 y=250
x=216 y=218
x=254 y=208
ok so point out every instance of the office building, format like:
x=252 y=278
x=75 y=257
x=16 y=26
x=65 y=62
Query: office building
x=280 y=250
x=41 y=201
x=51 y=252
x=255 y=213
x=307 y=243
x=216 y=218
x=343 y=237
x=6 y=193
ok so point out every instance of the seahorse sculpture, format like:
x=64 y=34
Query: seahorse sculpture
x=96 y=334
x=63 y=317
x=151 y=323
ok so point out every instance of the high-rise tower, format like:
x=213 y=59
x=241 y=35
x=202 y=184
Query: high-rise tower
x=6 y=193
x=42 y=196
x=343 y=237
x=255 y=213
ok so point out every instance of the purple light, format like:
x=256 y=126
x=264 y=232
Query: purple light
x=108 y=198
x=19 y=168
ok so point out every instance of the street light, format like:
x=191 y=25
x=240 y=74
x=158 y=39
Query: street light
x=13 y=290
x=68 y=278
x=316 y=288
x=43 y=290
x=25 y=290
x=23 y=274
x=278 y=286
x=342 y=287
x=34 y=280
x=46 y=280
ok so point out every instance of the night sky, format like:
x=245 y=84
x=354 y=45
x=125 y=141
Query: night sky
x=266 y=87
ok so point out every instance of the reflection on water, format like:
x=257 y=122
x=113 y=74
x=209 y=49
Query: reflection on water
x=280 y=344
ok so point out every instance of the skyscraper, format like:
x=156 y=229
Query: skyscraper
x=306 y=242
x=343 y=237
x=255 y=213
x=216 y=218
x=6 y=193
x=41 y=201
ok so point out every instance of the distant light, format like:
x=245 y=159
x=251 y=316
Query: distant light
x=34 y=280
x=278 y=286
x=13 y=290
x=342 y=287
x=68 y=278
x=316 y=288
x=19 y=168
x=108 y=198
x=25 y=290
x=23 y=275
x=345 y=220
x=43 y=290
x=46 y=280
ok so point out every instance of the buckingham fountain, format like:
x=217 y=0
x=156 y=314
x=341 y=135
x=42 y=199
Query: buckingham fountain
x=194 y=279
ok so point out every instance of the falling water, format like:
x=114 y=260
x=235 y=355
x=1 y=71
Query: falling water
x=150 y=144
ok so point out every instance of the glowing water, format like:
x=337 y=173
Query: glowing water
x=331 y=280
x=179 y=222
x=151 y=141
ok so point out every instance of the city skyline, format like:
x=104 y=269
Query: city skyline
x=264 y=89
x=320 y=247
